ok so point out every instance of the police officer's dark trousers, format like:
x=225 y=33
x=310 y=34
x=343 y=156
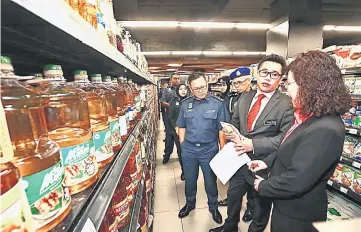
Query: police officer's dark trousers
x=169 y=138
x=239 y=184
x=193 y=156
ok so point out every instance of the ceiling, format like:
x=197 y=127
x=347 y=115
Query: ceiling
x=334 y=12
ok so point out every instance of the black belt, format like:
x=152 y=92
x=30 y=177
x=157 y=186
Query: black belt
x=201 y=144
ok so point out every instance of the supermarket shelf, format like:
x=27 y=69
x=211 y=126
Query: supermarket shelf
x=351 y=71
x=352 y=162
x=353 y=131
x=136 y=209
x=38 y=32
x=345 y=190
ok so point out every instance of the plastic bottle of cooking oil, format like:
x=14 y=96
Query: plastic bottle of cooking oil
x=98 y=114
x=67 y=119
x=129 y=99
x=111 y=101
x=14 y=206
x=36 y=157
x=137 y=101
x=122 y=108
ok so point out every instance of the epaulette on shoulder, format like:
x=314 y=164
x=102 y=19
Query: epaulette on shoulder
x=219 y=99
x=185 y=99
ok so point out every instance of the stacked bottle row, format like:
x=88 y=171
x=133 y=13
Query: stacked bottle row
x=61 y=134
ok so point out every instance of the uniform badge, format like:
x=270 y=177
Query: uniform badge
x=190 y=105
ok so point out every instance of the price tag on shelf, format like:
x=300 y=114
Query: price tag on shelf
x=89 y=226
x=352 y=131
x=356 y=164
x=330 y=182
x=344 y=190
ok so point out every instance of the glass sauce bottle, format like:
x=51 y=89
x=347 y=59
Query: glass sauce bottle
x=122 y=109
x=129 y=99
x=67 y=119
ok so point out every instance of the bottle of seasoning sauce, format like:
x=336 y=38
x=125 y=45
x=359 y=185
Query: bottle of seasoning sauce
x=121 y=204
x=133 y=170
x=128 y=183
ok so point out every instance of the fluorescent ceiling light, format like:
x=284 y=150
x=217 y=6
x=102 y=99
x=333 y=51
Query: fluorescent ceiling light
x=220 y=69
x=206 y=53
x=341 y=28
x=186 y=53
x=174 y=65
x=150 y=68
x=199 y=25
x=156 y=53
x=171 y=69
x=150 y=23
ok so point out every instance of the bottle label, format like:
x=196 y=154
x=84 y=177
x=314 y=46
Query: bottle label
x=123 y=125
x=149 y=185
x=79 y=163
x=14 y=210
x=103 y=145
x=115 y=129
x=134 y=178
x=113 y=227
x=121 y=210
x=48 y=197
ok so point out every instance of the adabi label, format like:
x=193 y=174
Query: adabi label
x=116 y=137
x=123 y=125
x=121 y=210
x=47 y=196
x=15 y=212
x=103 y=145
x=79 y=163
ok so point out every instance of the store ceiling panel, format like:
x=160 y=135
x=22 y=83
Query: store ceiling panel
x=334 y=12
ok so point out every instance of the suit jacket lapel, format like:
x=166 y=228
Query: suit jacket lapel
x=247 y=101
x=270 y=105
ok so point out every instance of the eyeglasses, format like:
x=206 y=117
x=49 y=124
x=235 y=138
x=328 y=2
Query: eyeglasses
x=286 y=83
x=238 y=83
x=200 y=89
x=265 y=73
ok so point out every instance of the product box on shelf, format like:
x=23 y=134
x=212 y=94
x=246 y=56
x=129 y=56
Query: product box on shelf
x=356 y=185
x=347 y=176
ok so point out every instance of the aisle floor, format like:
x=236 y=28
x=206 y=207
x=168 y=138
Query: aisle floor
x=169 y=198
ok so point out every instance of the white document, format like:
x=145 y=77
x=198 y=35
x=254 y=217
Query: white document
x=226 y=163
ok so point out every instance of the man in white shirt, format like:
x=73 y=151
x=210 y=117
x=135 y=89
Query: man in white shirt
x=262 y=117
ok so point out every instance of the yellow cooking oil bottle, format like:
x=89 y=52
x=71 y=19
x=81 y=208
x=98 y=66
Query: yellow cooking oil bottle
x=129 y=99
x=36 y=158
x=98 y=114
x=111 y=101
x=67 y=120
x=122 y=107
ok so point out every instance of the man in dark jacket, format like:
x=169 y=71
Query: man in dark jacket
x=167 y=97
x=173 y=112
x=241 y=82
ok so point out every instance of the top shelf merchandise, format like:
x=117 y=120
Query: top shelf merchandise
x=38 y=32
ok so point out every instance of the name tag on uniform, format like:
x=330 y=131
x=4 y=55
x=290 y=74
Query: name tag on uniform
x=270 y=122
x=210 y=111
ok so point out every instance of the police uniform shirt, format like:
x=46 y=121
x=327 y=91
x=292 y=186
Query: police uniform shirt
x=202 y=118
x=168 y=95
x=233 y=102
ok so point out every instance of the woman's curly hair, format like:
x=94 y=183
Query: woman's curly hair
x=322 y=90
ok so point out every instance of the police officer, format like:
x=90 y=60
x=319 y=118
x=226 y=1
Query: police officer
x=167 y=96
x=241 y=82
x=200 y=132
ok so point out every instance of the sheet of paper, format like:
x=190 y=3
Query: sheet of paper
x=226 y=163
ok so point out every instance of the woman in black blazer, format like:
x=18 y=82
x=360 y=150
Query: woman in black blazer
x=311 y=148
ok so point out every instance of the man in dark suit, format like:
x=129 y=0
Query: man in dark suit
x=262 y=117
x=241 y=81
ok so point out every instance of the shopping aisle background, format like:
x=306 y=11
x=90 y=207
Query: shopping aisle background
x=169 y=198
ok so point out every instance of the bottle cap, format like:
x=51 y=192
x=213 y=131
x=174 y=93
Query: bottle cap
x=107 y=79
x=6 y=66
x=96 y=77
x=80 y=75
x=53 y=71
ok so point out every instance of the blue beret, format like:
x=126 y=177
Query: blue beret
x=239 y=72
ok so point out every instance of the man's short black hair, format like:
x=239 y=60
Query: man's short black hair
x=174 y=74
x=195 y=76
x=274 y=58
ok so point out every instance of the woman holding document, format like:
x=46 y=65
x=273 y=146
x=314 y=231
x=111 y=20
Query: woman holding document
x=311 y=148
